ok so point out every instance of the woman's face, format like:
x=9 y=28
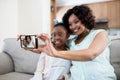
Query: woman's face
x=28 y=39
x=59 y=36
x=75 y=25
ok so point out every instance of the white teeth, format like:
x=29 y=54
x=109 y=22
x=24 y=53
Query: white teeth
x=76 y=30
x=57 y=42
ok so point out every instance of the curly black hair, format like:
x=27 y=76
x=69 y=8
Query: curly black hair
x=28 y=36
x=61 y=24
x=84 y=14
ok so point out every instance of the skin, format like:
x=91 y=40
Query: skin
x=79 y=55
x=59 y=36
x=28 y=39
x=77 y=28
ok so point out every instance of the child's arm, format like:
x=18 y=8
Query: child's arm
x=66 y=76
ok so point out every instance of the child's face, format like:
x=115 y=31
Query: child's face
x=59 y=36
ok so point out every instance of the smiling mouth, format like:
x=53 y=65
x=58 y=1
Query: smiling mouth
x=76 y=30
x=57 y=42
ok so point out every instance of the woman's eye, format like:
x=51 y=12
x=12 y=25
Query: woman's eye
x=69 y=24
x=77 y=21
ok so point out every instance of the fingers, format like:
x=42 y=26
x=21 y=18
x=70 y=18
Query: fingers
x=37 y=50
x=18 y=37
x=43 y=36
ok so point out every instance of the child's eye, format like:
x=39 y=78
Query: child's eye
x=60 y=34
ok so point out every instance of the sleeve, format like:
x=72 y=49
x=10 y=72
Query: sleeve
x=59 y=70
x=40 y=68
x=101 y=30
x=97 y=31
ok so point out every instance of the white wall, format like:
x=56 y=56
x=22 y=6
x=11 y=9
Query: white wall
x=34 y=16
x=8 y=19
x=77 y=2
x=23 y=17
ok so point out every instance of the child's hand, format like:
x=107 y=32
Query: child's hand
x=63 y=78
x=66 y=76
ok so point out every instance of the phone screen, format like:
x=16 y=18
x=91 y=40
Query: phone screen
x=29 y=41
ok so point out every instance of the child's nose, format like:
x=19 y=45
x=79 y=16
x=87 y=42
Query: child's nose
x=56 y=37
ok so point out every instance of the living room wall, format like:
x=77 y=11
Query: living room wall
x=23 y=17
x=8 y=19
x=33 y=16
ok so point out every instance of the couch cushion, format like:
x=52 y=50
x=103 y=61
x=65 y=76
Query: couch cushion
x=115 y=56
x=15 y=76
x=6 y=64
x=24 y=60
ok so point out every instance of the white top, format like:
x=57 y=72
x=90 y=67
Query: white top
x=96 y=69
x=51 y=68
x=30 y=45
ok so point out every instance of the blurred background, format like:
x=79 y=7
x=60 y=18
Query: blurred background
x=38 y=16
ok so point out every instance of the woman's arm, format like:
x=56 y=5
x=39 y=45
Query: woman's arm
x=96 y=48
x=38 y=50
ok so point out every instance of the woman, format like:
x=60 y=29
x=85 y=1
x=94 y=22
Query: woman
x=89 y=50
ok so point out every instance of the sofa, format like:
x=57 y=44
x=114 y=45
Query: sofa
x=15 y=62
x=19 y=64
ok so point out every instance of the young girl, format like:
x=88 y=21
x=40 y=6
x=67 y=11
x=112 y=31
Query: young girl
x=89 y=50
x=51 y=68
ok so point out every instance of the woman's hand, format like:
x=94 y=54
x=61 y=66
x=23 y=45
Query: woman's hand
x=38 y=50
x=48 y=48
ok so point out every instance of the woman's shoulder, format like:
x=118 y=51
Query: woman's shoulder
x=95 y=32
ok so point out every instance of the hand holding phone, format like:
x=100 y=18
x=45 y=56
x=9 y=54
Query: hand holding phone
x=29 y=41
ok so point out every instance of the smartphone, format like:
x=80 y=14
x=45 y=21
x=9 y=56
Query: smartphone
x=28 y=41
